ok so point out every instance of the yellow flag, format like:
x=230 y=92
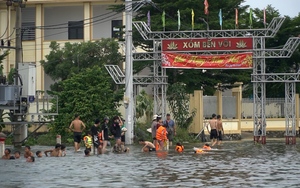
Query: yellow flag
x=193 y=15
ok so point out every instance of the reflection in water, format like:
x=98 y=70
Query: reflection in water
x=235 y=164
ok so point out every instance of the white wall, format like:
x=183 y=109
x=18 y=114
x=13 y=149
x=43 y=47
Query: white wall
x=102 y=27
x=60 y=15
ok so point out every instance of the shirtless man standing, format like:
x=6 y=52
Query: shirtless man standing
x=213 y=130
x=220 y=129
x=75 y=126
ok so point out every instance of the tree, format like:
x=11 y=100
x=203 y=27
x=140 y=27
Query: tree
x=88 y=94
x=278 y=65
x=178 y=100
x=144 y=106
x=60 y=63
x=194 y=79
x=83 y=85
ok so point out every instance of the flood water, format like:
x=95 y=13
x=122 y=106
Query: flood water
x=235 y=164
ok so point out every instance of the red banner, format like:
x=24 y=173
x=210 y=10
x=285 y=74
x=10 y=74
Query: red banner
x=198 y=44
x=188 y=61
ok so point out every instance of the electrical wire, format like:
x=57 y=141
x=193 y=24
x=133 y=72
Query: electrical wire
x=64 y=32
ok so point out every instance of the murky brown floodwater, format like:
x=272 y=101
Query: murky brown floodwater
x=236 y=164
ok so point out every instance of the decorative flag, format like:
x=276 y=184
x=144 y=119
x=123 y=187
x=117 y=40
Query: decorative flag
x=250 y=18
x=265 y=17
x=163 y=19
x=178 y=15
x=220 y=18
x=149 y=21
x=206 y=5
x=193 y=15
x=236 y=17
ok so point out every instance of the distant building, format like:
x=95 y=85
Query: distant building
x=63 y=21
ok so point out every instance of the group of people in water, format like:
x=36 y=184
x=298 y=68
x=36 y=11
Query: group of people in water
x=58 y=151
x=98 y=136
x=162 y=132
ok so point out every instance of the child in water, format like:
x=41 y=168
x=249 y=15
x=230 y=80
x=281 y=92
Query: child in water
x=87 y=152
x=179 y=147
x=206 y=147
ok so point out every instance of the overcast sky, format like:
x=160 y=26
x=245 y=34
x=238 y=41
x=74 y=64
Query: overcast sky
x=285 y=7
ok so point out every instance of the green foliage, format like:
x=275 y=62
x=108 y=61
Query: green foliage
x=182 y=134
x=10 y=77
x=195 y=79
x=140 y=131
x=144 y=106
x=178 y=100
x=2 y=57
x=75 y=57
x=84 y=87
x=88 y=94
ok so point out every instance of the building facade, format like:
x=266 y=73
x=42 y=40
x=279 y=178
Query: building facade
x=44 y=21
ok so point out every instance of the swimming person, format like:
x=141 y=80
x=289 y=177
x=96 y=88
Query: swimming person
x=87 y=152
x=30 y=159
x=56 y=152
x=7 y=154
x=179 y=147
x=198 y=150
x=63 y=150
x=17 y=154
x=28 y=152
x=206 y=147
x=148 y=146
x=39 y=154
x=77 y=126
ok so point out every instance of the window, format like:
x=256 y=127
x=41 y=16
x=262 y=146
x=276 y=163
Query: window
x=75 y=30
x=117 y=26
x=28 y=31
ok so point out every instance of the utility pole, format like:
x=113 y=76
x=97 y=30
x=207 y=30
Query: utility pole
x=18 y=41
x=128 y=98
x=21 y=130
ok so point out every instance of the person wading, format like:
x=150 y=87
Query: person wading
x=77 y=126
x=171 y=129
x=213 y=129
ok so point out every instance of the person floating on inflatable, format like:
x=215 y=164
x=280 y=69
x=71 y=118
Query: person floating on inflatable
x=206 y=147
x=198 y=150
x=179 y=148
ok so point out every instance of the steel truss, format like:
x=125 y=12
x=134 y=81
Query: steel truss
x=259 y=76
x=119 y=77
x=147 y=34
x=290 y=109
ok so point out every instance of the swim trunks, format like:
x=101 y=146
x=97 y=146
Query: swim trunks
x=77 y=137
x=220 y=137
x=213 y=134
x=151 y=149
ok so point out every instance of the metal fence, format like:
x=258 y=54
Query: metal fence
x=210 y=106
x=274 y=108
